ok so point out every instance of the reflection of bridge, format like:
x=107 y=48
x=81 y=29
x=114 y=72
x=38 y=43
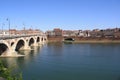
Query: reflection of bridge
x=10 y=45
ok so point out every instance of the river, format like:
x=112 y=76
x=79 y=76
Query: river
x=59 y=61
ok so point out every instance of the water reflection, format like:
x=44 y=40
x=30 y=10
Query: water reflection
x=30 y=55
x=18 y=62
x=56 y=49
x=10 y=62
x=69 y=62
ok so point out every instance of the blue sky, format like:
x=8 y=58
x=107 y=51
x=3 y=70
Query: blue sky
x=64 y=14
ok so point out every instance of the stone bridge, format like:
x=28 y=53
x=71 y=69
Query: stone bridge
x=10 y=46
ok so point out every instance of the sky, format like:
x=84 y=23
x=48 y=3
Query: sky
x=64 y=14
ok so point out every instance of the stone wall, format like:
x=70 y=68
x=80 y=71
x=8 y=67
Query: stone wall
x=83 y=39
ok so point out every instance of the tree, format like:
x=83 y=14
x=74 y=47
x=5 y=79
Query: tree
x=7 y=73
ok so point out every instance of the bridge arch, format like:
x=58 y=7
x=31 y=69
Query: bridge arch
x=45 y=38
x=42 y=39
x=31 y=41
x=38 y=39
x=68 y=39
x=4 y=48
x=12 y=43
x=20 y=45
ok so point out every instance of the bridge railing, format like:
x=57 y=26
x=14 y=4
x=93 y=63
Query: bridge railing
x=17 y=36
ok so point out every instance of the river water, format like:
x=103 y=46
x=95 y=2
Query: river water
x=59 y=61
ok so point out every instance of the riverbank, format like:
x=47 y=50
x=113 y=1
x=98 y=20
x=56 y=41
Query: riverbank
x=101 y=41
x=85 y=40
x=89 y=41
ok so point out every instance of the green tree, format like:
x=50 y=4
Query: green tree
x=7 y=73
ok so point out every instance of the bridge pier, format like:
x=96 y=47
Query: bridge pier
x=12 y=53
x=9 y=52
x=35 y=44
x=26 y=47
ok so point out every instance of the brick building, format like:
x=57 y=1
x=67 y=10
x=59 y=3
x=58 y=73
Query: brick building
x=58 y=32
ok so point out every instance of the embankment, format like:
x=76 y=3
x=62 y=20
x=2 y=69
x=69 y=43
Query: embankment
x=86 y=39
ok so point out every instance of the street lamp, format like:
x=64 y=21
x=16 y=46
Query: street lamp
x=9 y=26
x=2 y=29
x=16 y=31
x=24 y=33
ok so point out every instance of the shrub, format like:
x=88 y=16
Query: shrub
x=7 y=73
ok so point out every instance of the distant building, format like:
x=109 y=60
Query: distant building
x=85 y=33
x=58 y=32
x=24 y=32
x=96 y=33
x=67 y=33
x=50 y=33
x=4 y=32
x=108 y=33
x=13 y=31
x=117 y=34
x=104 y=33
x=55 y=32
